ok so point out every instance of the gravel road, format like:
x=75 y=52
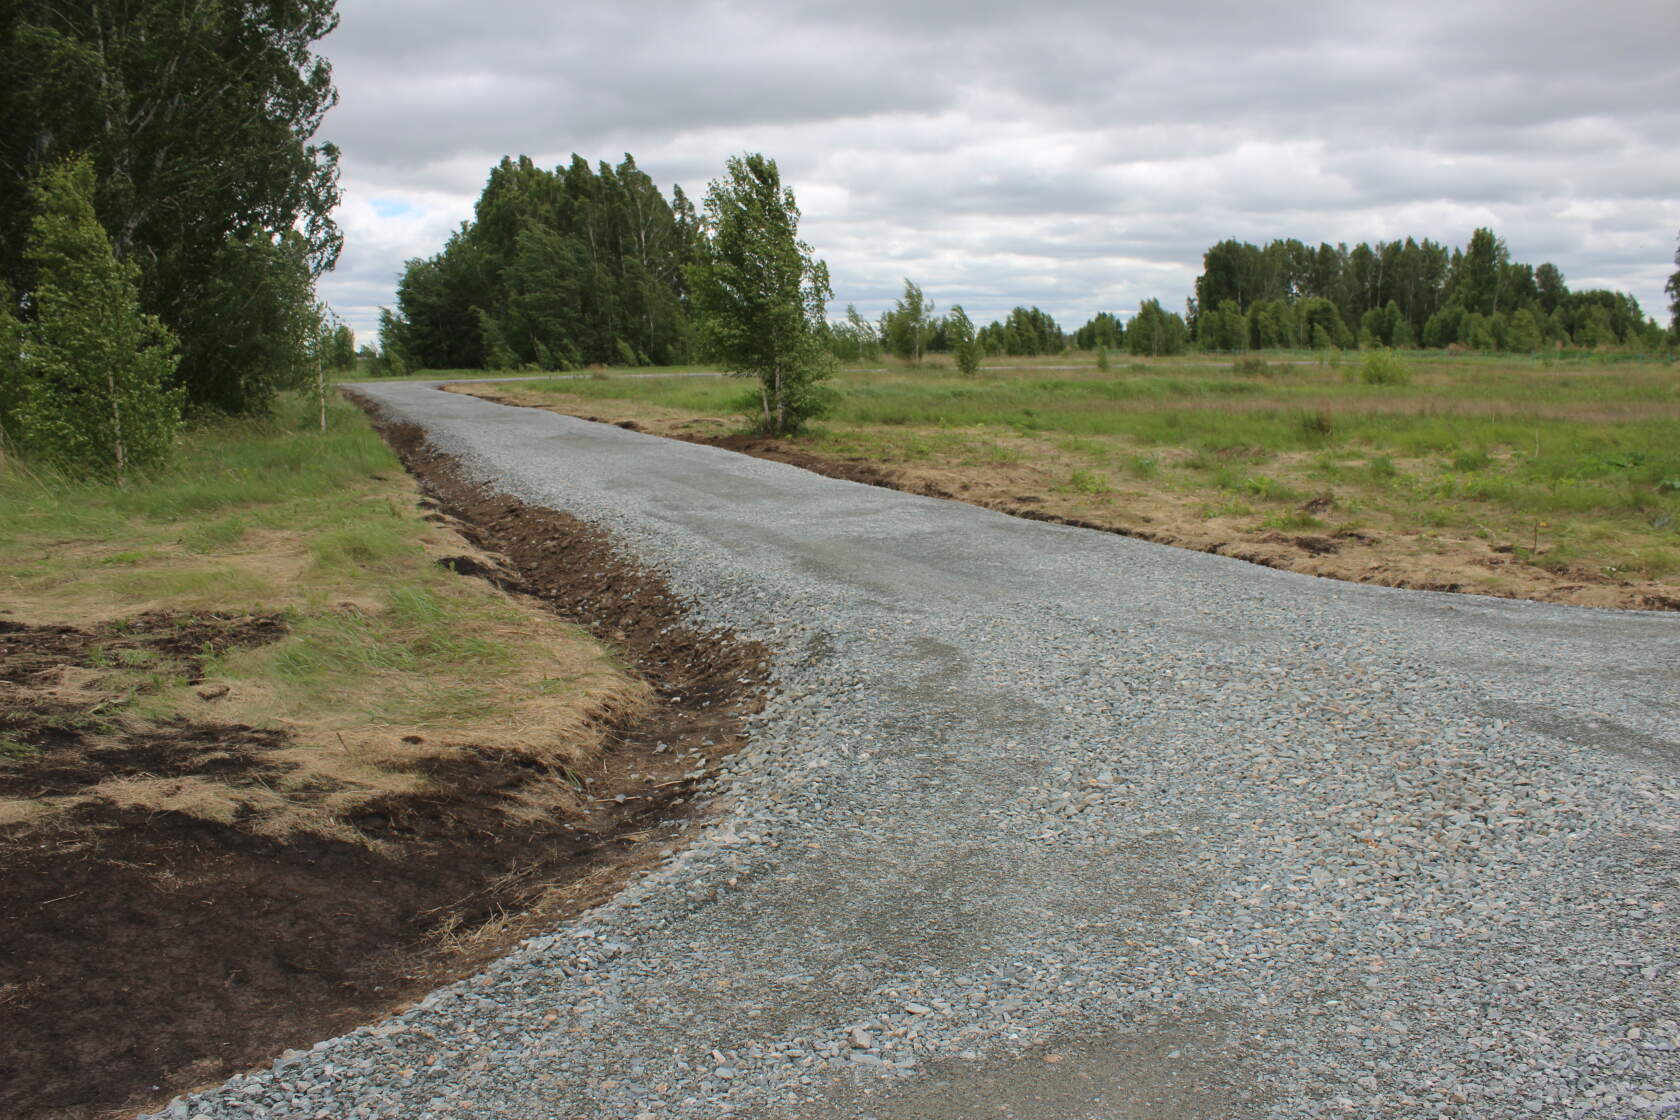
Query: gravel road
x=1046 y=823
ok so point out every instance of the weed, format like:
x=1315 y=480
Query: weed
x=1381 y=468
x=1144 y=466
x=1089 y=482
x=1269 y=489
x=1292 y=520
x=1230 y=507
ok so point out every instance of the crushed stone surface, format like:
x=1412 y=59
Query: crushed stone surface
x=1044 y=823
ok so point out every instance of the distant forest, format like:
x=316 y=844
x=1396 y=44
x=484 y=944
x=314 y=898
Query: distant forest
x=581 y=266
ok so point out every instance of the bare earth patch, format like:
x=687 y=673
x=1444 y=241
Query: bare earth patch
x=1033 y=481
x=188 y=896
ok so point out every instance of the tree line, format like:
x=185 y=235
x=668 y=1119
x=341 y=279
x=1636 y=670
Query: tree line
x=164 y=214
x=1401 y=294
x=1288 y=295
x=557 y=269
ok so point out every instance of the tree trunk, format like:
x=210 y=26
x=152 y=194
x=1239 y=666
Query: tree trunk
x=116 y=428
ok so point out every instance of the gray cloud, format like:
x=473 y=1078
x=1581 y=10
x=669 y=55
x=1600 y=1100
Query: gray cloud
x=1072 y=154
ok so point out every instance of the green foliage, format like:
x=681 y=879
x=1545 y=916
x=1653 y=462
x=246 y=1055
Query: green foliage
x=856 y=339
x=1223 y=328
x=1523 y=334
x=11 y=369
x=761 y=294
x=1399 y=294
x=1154 y=331
x=556 y=269
x=197 y=118
x=1383 y=367
x=1025 y=333
x=907 y=328
x=1102 y=359
x=964 y=346
x=339 y=348
x=259 y=308
x=96 y=397
x=1103 y=332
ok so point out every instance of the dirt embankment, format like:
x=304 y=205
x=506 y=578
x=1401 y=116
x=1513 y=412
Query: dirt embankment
x=149 y=944
x=1033 y=489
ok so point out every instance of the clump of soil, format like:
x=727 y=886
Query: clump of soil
x=149 y=944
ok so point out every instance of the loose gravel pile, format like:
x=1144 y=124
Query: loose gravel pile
x=1049 y=823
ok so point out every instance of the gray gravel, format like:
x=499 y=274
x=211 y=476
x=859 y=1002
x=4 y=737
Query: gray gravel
x=1045 y=823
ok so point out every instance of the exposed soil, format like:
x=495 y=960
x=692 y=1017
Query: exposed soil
x=145 y=951
x=1438 y=563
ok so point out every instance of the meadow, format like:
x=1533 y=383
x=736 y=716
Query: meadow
x=1541 y=477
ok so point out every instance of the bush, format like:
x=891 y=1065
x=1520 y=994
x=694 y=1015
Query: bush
x=1382 y=367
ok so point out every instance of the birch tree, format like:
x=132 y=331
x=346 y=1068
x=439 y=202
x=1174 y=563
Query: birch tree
x=95 y=370
x=761 y=295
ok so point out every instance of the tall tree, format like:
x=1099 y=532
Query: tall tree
x=1552 y=290
x=198 y=117
x=906 y=327
x=761 y=294
x=95 y=369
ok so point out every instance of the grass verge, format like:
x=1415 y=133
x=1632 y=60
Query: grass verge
x=379 y=658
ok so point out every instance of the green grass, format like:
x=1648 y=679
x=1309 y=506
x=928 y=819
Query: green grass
x=280 y=464
x=261 y=515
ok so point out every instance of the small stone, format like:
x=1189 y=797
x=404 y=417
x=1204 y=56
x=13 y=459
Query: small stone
x=862 y=1039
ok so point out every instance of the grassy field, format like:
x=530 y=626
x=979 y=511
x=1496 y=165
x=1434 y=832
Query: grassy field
x=1506 y=475
x=382 y=648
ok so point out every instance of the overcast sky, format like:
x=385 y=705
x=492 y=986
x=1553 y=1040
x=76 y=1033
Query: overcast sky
x=1074 y=156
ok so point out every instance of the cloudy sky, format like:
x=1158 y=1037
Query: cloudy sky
x=1075 y=156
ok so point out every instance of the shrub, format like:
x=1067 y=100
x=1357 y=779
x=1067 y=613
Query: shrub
x=1382 y=367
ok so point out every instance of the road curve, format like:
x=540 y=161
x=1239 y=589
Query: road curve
x=1048 y=823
